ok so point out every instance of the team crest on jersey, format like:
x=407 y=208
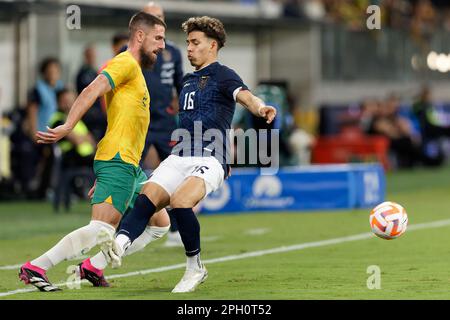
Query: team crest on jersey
x=203 y=81
x=166 y=55
x=145 y=100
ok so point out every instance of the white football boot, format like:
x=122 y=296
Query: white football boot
x=192 y=279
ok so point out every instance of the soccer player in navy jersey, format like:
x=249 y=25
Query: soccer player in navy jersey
x=194 y=169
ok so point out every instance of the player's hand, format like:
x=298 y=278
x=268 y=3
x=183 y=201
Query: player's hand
x=92 y=190
x=268 y=113
x=52 y=135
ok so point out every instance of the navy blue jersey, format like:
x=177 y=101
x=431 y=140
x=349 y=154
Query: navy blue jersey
x=165 y=76
x=207 y=100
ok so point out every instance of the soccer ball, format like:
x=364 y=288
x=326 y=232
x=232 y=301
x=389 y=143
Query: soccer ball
x=388 y=220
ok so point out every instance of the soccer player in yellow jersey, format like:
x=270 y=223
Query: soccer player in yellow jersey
x=116 y=164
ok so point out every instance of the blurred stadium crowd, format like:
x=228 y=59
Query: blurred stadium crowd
x=398 y=134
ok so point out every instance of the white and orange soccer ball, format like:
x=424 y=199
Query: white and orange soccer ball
x=388 y=220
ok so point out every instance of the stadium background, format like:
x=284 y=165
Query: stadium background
x=327 y=65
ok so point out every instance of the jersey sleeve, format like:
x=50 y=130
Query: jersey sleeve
x=120 y=70
x=230 y=83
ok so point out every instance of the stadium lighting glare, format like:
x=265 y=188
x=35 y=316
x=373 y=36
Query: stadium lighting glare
x=437 y=62
x=431 y=60
x=443 y=63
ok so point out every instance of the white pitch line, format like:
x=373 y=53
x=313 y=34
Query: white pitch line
x=11 y=267
x=257 y=232
x=300 y=246
x=211 y=238
x=17 y=266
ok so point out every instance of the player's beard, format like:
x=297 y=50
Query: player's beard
x=147 y=61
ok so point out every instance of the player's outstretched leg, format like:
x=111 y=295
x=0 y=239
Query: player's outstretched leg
x=196 y=272
x=182 y=202
x=72 y=245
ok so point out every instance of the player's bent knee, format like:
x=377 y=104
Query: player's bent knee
x=106 y=213
x=157 y=195
x=183 y=201
x=160 y=219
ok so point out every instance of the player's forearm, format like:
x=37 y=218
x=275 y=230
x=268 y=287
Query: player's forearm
x=250 y=102
x=86 y=99
x=81 y=105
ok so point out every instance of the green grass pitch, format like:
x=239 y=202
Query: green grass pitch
x=415 y=266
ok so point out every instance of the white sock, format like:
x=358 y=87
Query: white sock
x=150 y=234
x=72 y=245
x=194 y=262
x=99 y=261
x=123 y=241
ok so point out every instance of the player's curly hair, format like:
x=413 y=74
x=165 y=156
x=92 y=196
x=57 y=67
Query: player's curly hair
x=212 y=27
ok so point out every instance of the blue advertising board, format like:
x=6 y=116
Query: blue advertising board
x=314 y=187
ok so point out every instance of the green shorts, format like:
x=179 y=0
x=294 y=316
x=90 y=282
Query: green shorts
x=118 y=183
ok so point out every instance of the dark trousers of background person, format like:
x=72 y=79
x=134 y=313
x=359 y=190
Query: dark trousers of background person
x=44 y=170
x=433 y=151
x=431 y=131
x=407 y=153
x=32 y=166
x=74 y=175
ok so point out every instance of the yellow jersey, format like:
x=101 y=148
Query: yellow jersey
x=127 y=110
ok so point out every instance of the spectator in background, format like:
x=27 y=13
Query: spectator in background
x=118 y=42
x=76 y=152
x=87 y=71
x=433 y=127
x=95 y=118
x=42 y=98
x=404 y=144
x=369 y=111
x=41 y=106
x=424 y=21
x=77 y=147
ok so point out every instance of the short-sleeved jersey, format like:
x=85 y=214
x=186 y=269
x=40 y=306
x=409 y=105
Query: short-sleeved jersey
x=127 y=110
x=208 y=97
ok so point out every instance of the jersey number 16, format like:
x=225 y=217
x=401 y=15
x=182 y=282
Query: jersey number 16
x=189 y=101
